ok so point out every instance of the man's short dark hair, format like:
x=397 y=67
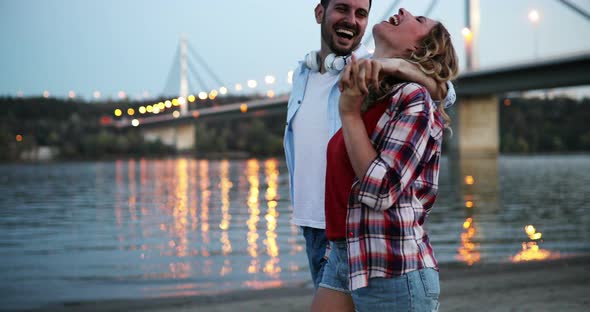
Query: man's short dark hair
x=325 y=3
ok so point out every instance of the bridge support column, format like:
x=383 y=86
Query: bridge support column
x=478 y=126
x=181 y=137
x=185 y=137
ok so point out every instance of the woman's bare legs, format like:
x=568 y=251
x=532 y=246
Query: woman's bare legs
x=328 y=300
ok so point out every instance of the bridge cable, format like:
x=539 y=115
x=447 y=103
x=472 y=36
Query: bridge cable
x=430 y=7
x=205 y=66
x=174 y=69
x=385 y=17
x=575 y=8
x=192 y=69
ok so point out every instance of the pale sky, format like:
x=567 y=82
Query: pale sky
x=129 y=45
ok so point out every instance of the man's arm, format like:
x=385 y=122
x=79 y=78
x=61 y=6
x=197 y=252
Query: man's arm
x=373 y=70
x=411 y=73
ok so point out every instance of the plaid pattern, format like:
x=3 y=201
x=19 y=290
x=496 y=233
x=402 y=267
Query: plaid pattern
x=388 y=207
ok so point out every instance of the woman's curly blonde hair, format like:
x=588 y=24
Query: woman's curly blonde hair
x=436 y=57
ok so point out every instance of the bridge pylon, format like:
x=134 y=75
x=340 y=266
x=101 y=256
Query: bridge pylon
x=183 y=76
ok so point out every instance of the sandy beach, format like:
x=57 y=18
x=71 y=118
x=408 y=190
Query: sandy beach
x=555 y=285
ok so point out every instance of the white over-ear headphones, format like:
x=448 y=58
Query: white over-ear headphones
x=333 y=63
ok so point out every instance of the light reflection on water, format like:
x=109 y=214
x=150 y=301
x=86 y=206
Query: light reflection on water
x=144 y=228
x=468 y=252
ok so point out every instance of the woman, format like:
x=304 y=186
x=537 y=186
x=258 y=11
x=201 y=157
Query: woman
x=389 y=151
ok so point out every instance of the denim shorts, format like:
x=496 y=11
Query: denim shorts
x=336 y=269
x=315 y=247
x=414 y=291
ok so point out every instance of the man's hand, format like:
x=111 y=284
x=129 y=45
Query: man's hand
x=371 y=71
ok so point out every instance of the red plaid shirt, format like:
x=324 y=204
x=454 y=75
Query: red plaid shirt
x=388 y=207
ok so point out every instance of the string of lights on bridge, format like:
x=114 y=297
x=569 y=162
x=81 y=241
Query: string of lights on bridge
x=173 y=103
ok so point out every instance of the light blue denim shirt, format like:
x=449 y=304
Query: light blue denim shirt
x=300 y=78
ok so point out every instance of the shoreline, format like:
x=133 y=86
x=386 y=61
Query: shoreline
x=233 y=156
x=552 y=285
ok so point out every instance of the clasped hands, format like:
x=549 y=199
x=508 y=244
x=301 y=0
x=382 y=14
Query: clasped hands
x=356 y=78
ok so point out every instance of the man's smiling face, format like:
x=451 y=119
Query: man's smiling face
x=343 y=24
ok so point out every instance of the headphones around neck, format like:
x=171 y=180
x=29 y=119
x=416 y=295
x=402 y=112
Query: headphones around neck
x=333 y=63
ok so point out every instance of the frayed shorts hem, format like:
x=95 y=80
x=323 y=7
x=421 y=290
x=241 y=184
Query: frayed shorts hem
x=346 y=291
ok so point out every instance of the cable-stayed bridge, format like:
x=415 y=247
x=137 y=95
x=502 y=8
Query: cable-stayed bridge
x=475 y=116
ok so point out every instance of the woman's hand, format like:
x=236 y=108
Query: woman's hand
x=351 y=97
x=353 y=86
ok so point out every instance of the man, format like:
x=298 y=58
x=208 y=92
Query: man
x=312 y=116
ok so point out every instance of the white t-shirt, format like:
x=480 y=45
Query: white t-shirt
x=311 y=134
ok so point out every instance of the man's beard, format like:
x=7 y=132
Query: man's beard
x=330 y=39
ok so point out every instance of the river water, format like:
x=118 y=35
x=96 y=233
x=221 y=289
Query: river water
x=176 y=227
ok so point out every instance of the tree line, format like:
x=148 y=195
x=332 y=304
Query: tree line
x=538 y=125
x=74 y=129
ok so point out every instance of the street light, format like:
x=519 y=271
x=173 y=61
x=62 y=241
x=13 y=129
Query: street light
x=471 y=33
x=534 y=17
x=468 y=37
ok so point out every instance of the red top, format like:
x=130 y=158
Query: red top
x=340 y=175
